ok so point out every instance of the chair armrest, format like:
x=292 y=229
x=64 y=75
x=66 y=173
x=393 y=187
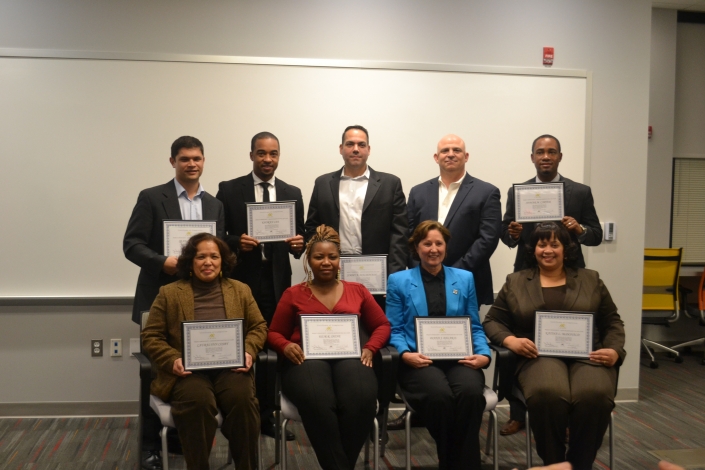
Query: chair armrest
x=504 y=368
x=145 y=366
x=386 y=365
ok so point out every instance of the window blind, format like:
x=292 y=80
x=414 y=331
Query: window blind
x=688 y=209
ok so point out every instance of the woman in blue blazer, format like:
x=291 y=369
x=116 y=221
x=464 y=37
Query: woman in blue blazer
x=447 y=394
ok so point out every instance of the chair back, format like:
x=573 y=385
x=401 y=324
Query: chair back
x=661 y=274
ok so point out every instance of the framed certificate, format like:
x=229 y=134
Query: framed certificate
x=564 y=334
x=177 y=233
x=271 y=221
x=368 y=270
x=538 y=202
x=213 y=344
x=444 y=337
x=334 y=336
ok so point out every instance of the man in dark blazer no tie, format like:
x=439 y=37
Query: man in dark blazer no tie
x=182 y=198
x=264 y=267
x=465 y=205
x=366 y=207
x=580 y=219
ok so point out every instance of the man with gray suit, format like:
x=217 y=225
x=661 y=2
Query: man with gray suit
x=182 y=198
x=366 y=207
x=580 y=219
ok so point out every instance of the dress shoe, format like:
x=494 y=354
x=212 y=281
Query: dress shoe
x=400 y=422
x=269 y=429
x=511 y=427
x=151 y=460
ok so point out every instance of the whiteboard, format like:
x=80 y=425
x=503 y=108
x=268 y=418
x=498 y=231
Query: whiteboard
x=82 y=137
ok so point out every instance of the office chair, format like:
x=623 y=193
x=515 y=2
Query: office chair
x=659 y=303
x=693 y=313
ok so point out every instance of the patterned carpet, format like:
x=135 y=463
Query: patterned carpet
x=670 y=415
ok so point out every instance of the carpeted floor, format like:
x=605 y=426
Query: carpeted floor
x=670 y=415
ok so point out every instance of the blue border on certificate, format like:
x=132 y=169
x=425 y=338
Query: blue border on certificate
x=561 y=195
x=291 y=205
x=189 y=326
x=467 y=340
x=587 y=317
x=333 y=318
x=353 y=259
x=207 y=225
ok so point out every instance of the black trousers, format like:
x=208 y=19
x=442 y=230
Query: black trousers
x=266 y=302
x=569 y=394
x=336 y=400
x=448 y=397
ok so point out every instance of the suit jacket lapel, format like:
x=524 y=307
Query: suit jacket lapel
x=432 y=198
x=567 y=190
x=533 y=288
x=372 y=187
x=335 y=189
x=572 y=290
x=229 y=300
x=463 y=191
x=186 y=300
x=248 y=189
x=452 y=294
x=171 y=202
x=418 y=294
x=209 y=208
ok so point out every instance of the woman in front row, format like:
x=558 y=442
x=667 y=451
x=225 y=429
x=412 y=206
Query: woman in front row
x=447 y=394
x=560 y=393
x=196 y=397
x=335 y=398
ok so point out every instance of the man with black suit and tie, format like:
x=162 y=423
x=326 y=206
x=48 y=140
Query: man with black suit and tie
x=366 y=207
x=468 y=207
x=580 y=219
x=264 y=267
x=182 y=198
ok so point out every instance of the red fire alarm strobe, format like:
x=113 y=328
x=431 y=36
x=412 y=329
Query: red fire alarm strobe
x=548 y=56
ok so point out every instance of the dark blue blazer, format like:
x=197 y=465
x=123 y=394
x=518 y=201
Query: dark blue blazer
x=406 y=299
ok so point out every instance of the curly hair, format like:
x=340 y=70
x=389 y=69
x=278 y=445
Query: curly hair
x=546 y=231
x=323 y=233
x=184 y=265
x=421 y=232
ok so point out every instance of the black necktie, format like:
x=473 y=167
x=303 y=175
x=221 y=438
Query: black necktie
x=266 y=247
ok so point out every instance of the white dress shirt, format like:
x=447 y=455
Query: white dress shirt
x=191 y=209
x=554 y=180
x=351 y=199
x=259 y=190
x=446 y=196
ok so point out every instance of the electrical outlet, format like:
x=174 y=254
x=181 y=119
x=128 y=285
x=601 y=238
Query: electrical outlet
x=115 y=347
x=96 y=347
x=134 y=346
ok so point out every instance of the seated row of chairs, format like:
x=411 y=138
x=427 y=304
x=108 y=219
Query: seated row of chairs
x=661 y=299
x=386 y=363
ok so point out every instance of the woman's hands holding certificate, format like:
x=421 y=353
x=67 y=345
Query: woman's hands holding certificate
x=248 y=364
x=366 y=357
x=606 y=357
x=476 y=361
x=521 y=346
x=294 y=353
x=178 y=368
x=416 y=360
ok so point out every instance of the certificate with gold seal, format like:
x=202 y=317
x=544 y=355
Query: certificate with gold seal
x=178 y=232
x=330 y=336
x=213 y=344
x=368 y=270
x=271 y=221
x=444 y=337
x=564 y=334
x=538 y=202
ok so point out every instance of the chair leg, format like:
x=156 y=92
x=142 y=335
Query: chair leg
x=259 y=453
x=490 y=426
x=658 y=347
x=495 y=439
x=612 y=467
x=528 y=441
x=383 y=432
x=277 y=437
x=282 y=444
x=376 y=451
x=408 y=441
x=165 y=449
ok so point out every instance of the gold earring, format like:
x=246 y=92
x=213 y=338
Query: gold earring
x=221 y=274
x=190 y=274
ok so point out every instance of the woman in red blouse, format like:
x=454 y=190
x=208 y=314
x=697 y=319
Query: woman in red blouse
x=336 y=398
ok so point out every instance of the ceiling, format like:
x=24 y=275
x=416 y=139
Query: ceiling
x=688 y=5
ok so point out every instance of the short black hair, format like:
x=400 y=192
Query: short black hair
x=185 y=142
x=359 y=128
x=546 y=230
x=545 y=136
x=184 y=265
x=262 y=135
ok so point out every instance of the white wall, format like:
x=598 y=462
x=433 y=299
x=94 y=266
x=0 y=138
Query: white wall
x=689 y=138
x=610 y=39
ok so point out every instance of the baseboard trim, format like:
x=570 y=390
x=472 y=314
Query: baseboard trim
x=69 y=409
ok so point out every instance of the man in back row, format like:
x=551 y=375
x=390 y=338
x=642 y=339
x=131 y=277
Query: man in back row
x=366 y=207
x=182 y=198
x=580 y=219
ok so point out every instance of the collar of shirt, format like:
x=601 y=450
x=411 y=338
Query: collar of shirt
x=365 y=175
x=554 y=180
x=181 y=190
x=453 y=185
x=428 y=277
x=259 y=189
x=259 y=180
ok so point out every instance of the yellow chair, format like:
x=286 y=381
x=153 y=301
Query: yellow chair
x=660 y=304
